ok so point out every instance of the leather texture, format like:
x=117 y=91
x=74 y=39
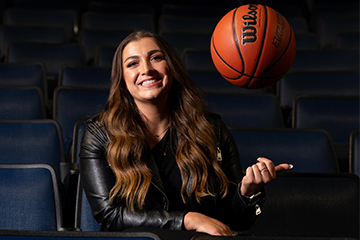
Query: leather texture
x=98 y=179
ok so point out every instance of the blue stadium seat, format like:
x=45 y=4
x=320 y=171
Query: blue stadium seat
x=180 y=41
x=317 y=83
x=338 y=115
x=22 y=103
x=105 y=21
x=309 y=151
x=120 y=8
x=85 y=77
x=298 y=24
x=74 y=104
x=24 y=75
x=181 y=10
x=91 y=39
x=31 y=141
x=347 y=40
x=326 y=61
x=309 y=205
x=29 y=197
x=307 y=41
x=50 y=18
x=104 y=56
x=84 y=219
x=79 y=129
x=187 y=24
x=30 y=34
x=355 y=152
x=197 y=60
x=330 y=26
x=52 y=56
x=213 y=82
x=78 y=235
x=246 y=110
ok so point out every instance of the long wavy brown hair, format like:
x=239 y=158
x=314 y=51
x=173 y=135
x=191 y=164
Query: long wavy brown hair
x=196 y=152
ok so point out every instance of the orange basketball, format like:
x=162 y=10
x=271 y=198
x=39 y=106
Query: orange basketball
x=253 y=46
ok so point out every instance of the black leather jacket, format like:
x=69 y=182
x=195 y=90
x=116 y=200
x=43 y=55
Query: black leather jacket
x=98 y=179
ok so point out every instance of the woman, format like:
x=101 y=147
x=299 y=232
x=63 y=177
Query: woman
x=156 y=158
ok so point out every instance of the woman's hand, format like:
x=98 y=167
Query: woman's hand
x=202 y=223
x=260 y=174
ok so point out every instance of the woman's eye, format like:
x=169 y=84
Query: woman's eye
x=157 y=57
x=131 y=64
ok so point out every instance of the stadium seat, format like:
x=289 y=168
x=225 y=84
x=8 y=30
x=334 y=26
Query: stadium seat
x=337 y=115
x=307 y=41
x=29 y=198
x=317 y=83
x=104 y=56
x=22 y=103
x=32 y=141
x=181 y=10
x=91 y=39
x=78 y=235
x=79 y=129
x=24 y=75
x=180 y=41
x=309 y=151
x=192 y=24
x=85 y=77
x=53 y=56
x=120 y=8
x=213 y=82
x=310 y=205
x=197 y=60
x=347 y=40
x=50 y=18
x=330 y=26
x=246 y=110
x=74 y=104
x=105 y=21
x=355 y=152
x=84 y=219
x=298 y=24
x=30 y=34
x=326 y=61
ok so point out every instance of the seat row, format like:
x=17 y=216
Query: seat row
x=305 y=205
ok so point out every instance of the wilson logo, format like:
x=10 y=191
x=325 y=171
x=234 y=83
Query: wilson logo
x=249 y=30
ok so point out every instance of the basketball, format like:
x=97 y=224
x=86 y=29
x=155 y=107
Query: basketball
x=253 y=46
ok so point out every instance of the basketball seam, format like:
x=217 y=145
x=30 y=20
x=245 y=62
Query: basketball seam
x=287 y=47
x=262 y=45
x=241 y=74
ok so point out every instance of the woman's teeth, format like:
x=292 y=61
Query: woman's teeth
x=148 y=82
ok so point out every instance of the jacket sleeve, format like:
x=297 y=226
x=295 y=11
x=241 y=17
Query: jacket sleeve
x=97 y=179
x=235 y=210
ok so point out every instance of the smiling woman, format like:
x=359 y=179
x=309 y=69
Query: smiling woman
x=152 y=158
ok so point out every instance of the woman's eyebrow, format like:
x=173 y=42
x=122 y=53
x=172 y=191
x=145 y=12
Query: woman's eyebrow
x=149 y=53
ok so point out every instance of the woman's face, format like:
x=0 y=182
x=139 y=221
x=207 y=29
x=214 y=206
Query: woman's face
x=145 y=70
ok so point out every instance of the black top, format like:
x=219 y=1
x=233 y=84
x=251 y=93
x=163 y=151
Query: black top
x=169 y=171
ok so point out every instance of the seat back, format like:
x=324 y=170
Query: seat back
x=24 y=75
x=22 y=103
x=104 y=56
x=65 y=18
x=84 y=219
x=30 y=197
x=74 y=104
x=30 y=34
x=76 y=144
x=308 y=150
x=355 y=152
x=52 y=55
x=31 y=141
x=197 y=60
x=85 y=77
x=310 y=205
x=246 y=110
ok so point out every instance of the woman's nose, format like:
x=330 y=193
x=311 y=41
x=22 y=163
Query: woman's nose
x=147 y=67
